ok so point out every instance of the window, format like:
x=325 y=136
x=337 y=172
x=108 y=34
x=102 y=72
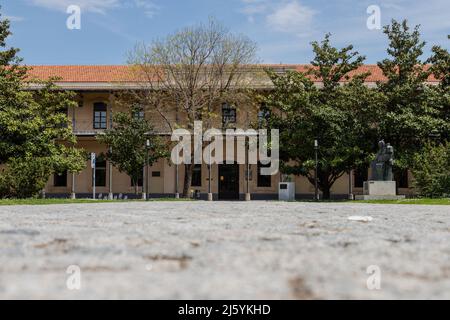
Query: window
x=263 y=116
x=197 y=176
x=60 y=179
x=156 y=174
x=100 y=172
x=138 y=112
x=402 y=178
x=359 y=177
x=228 y=114
x=263 y=180
x=100 y=115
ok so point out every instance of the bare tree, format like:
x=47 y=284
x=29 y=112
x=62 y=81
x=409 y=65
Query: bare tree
x=194 y=71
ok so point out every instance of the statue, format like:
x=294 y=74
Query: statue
x=382 y=165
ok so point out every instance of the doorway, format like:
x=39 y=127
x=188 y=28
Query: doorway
x=228 y=182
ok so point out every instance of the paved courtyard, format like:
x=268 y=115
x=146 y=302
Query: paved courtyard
x=224 y=250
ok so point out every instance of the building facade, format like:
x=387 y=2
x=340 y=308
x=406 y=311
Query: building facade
x=97 y=88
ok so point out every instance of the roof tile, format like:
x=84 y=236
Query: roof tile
x=124 y=73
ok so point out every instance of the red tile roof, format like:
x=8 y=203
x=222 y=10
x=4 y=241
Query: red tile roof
x=124 y=73
x=83 y=73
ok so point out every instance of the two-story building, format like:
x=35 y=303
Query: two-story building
x=97 y=88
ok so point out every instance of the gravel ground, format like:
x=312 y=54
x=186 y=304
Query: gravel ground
x=224 y=250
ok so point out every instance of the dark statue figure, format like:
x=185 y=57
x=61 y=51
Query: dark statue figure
x=382 y=165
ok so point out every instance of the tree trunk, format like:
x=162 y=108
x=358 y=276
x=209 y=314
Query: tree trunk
x=325 y=185
x=188 y=169
x=326 y=193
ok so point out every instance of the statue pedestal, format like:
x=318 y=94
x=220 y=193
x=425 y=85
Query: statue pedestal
x=380 y=190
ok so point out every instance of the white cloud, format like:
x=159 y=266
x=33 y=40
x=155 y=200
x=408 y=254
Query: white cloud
x=254 y=7
x=96 y=6
x=14 y=18
x=291 y=17
x=148 y=7
x=288 y=16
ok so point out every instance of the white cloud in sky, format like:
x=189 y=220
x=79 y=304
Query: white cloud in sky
x=291 y=17
x=97 y=6
x=287 y=16
x=13 y=18
x=252 y=7
x=148 y=7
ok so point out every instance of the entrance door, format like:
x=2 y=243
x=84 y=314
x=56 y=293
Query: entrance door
x=228 y=182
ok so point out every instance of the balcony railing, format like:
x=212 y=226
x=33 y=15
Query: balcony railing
x=85 y=128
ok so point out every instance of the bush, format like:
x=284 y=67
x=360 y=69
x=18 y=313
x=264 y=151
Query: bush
x=24 y=178
x=431 y=170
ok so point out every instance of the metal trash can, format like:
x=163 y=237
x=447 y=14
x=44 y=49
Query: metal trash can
x=286 y=191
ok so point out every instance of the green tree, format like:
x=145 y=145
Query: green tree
x=440 y=67
x=127 y=144
x=337 y=114
x=33 y=121
x=431 y=171
x=440 y=61
x=412 y=111
x=198 y=68
x=23 y=178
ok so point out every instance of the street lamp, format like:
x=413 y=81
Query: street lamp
x=147 y=147
x=316 y=186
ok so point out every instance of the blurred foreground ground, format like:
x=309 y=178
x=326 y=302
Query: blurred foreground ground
x=224 y=250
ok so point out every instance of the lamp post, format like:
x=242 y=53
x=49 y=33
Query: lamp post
x=316 y=186
x=210 y=195
x=177 y=194
x=147 y=147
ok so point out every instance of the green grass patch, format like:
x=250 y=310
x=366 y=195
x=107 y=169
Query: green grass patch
x=442 y=202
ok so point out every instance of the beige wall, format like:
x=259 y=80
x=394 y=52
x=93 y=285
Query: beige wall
x=165 y=184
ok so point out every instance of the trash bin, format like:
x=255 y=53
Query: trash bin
x=286 y=191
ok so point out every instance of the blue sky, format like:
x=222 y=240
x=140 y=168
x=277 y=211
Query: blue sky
x=283 y=29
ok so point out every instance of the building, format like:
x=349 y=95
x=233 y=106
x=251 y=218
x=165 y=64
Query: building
x=97 y=87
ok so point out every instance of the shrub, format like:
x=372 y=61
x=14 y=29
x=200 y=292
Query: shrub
x=24 y=178
x=431 y=170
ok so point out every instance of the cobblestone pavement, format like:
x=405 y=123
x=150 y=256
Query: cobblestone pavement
x=224 y=250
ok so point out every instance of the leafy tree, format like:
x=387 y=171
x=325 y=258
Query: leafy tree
x=412 y=111
x=127 y=142
x=33 y=122
x=431 y=170
x=23 y=178
x=196 y=70
x=440 y=67
x=336 y=114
